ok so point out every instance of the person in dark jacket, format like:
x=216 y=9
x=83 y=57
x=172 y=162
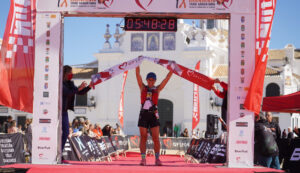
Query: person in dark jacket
x=69 y=91
x=265 y=147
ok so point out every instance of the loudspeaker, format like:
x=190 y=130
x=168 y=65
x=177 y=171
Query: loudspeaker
x=212 y=124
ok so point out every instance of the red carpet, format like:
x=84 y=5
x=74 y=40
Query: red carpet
x=171 y=164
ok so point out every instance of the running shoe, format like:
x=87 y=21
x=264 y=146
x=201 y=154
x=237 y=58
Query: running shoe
x=143 y=162
x=158 y=162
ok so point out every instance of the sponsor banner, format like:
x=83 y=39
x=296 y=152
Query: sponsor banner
x=133 y=6
x=17 y=56
x=46 y=93
x=265 y=10
x=121 y=106
x=188 y=74
x=69 y=152
x=196 y=103
x=11 y=148
x=207 y=151
x=82 y=148
x=292 y=155
x=240 y=121
x=108 y=142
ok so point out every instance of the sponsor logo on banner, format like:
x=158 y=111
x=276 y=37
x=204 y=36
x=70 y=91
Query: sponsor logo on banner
x=102 y=4
x=241 y=142
x=44 y=103
x=243 y=19
x=46 y=94
x=168 y=143
x=242 y=115
x=144 y=4
x=44 y=138
x=46 y=85
x=212 y=4
x=242 y=107
x=45 y=111
x=225 y=3
x=47 y=59
x=43 y=147
x=241 y=124
x=45 y=120
x=42 y=157
x=123 y=66
x=44 y=130
x=135 y=140
x=296 y=155
x=241 y=133
x=241 y=151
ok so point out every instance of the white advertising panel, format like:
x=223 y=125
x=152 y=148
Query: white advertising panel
x=46 y=89
x=242 y=63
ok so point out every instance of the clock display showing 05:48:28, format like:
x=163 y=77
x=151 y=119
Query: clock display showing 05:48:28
x=150 y=24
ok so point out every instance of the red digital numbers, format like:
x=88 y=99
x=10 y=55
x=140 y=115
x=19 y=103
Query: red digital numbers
x=163 y=24
x=172 y=24
x=154 y=24
x=129 y=23
x=150 y=24
x=138 y=24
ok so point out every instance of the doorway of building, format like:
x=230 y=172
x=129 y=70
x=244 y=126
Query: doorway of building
x=165 y=111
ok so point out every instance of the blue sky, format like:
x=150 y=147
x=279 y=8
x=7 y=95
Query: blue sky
x=84 y=36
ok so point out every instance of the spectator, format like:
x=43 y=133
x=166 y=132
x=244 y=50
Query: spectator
x=176 y=128
x=198 y=134
x=97 y=130
x=290 y=133
x=13 y=127
x=167 y=131
x=107 y=130
x=297 y=131
x=90 y=132
x=273 y=126
x=119 y=131
x=284 y=135
x=81 y=124
x=265 y=148
x=185 y=133
x=7 y=124
x=75 y=123
x=194 y=134
x=20 y=129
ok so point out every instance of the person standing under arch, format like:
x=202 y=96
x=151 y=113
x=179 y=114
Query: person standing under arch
x=69 y=91
x=149 y=117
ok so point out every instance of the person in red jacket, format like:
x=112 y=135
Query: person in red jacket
x=149 y=117
x=222 y=94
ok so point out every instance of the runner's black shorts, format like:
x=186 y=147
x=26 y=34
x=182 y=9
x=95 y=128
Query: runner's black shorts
x=147 y=119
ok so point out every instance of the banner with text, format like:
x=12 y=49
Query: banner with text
x=188 y=74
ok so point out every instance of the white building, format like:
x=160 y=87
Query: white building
x=187 y=46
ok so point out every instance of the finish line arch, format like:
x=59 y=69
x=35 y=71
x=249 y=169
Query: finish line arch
x=49 y=48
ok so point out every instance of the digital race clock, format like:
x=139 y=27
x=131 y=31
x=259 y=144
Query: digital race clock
x=150 y=24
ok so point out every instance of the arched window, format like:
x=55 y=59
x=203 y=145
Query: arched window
x=272 y=90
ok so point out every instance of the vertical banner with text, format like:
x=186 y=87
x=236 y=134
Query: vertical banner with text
x=46 y=108
x=17 y=56
x=265 y=10
x=196 y=106
x=121 y=106
x=240 y=122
